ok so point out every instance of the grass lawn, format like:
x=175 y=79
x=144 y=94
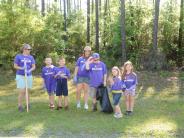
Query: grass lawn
x=159 y=112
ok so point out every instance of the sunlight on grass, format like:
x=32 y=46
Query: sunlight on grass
x=161 y=125
x=36 y=129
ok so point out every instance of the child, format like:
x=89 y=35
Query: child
x=62 y=74
x=130 y=80
x=48 y=73
x=98 y=74
x=116 y=89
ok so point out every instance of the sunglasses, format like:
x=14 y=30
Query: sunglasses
x=29 y=49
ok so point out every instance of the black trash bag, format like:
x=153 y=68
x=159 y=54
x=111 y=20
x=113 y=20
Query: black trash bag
x=103 y=97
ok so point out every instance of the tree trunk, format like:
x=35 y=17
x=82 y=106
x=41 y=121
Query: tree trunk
x=155 y=26
x=97 y=26
x=123 y=35
x=88 y=21
x=43 y=8
x=64 y=4
x=180 y=39
x=104 y=23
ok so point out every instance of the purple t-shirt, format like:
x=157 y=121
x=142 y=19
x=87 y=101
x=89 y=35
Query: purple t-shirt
x=64 y=71
x=48 y=76
x=20 y=59
x=96 y=73
x=117 y=84
x=130 y=81
x=81 y=67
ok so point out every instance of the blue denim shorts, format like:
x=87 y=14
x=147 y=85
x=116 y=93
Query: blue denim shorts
x=116 y=98
x=82 y=80
x=21 y=81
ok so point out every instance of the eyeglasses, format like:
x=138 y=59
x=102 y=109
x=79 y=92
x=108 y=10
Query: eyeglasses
x=29 y=49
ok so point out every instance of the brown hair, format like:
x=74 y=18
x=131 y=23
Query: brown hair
x=123 y=69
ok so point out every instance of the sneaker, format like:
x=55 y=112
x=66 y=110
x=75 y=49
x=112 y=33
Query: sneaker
x=59 y=107
x=66 y=108
x=86 y=106
x=94 y=107
x=20 y=109
x=130 y=113
x=51 y=106
x=118 y=115
x=126 y=113
x=78 y=105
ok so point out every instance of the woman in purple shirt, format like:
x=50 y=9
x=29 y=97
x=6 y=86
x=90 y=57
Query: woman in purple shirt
x=130 y=81
x=81 y=77
x=24 y=62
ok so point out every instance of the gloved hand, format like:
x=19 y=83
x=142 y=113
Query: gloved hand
x=75 y=80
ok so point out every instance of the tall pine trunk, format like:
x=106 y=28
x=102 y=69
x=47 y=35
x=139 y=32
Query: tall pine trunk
x=180 y=39
x=155 y=25
x=64 y=4
x=43 y=7
x=97 y=26
x=88 y=21
x=123 y=35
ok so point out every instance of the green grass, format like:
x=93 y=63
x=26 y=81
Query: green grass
x=159 y=112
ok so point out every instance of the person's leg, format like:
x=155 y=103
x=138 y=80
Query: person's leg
x=94 y=99
x=78 y=94
x=59 y=101
x=127 y=102
x=66 y=102
x=131 y=103
x=20 y=97
x=86 y=89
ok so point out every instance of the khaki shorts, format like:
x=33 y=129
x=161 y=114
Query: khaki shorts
x=92 y=92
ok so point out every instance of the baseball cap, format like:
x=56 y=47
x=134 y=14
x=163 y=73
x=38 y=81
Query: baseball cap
x=95 y=55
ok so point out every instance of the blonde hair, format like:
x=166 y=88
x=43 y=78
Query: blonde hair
x=124 y=71
x=117 y=69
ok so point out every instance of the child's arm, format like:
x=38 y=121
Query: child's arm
x=88 y=62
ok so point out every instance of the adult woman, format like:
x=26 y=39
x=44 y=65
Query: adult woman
x=24 y=63
x=81 y=77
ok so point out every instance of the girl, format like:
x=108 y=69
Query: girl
x=130 y=80
x=49 y=81
x=116 y=89
x=62 y=75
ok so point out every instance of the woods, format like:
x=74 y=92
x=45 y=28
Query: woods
x=118 y=30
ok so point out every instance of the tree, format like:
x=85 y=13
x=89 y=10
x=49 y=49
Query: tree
x=97 y=26
x=123 y=35
x=88 y=21
x=43 y=8
x=181 y=31
x=155 y=25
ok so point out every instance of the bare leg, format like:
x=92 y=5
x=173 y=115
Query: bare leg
x=131 y=103
x=60 y=101
x=127 y=102
x=20 y=97
x=86 y=87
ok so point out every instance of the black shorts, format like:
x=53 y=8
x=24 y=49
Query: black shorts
x=62 y=87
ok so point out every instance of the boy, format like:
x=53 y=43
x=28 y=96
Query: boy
x=98 y=75
x=62 y=75
x=49 y=81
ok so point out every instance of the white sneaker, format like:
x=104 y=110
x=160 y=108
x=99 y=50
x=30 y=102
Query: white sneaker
x=78 y=105
x=118 y=115
x=86 y=107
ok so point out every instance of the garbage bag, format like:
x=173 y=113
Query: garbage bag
x=103 y=97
